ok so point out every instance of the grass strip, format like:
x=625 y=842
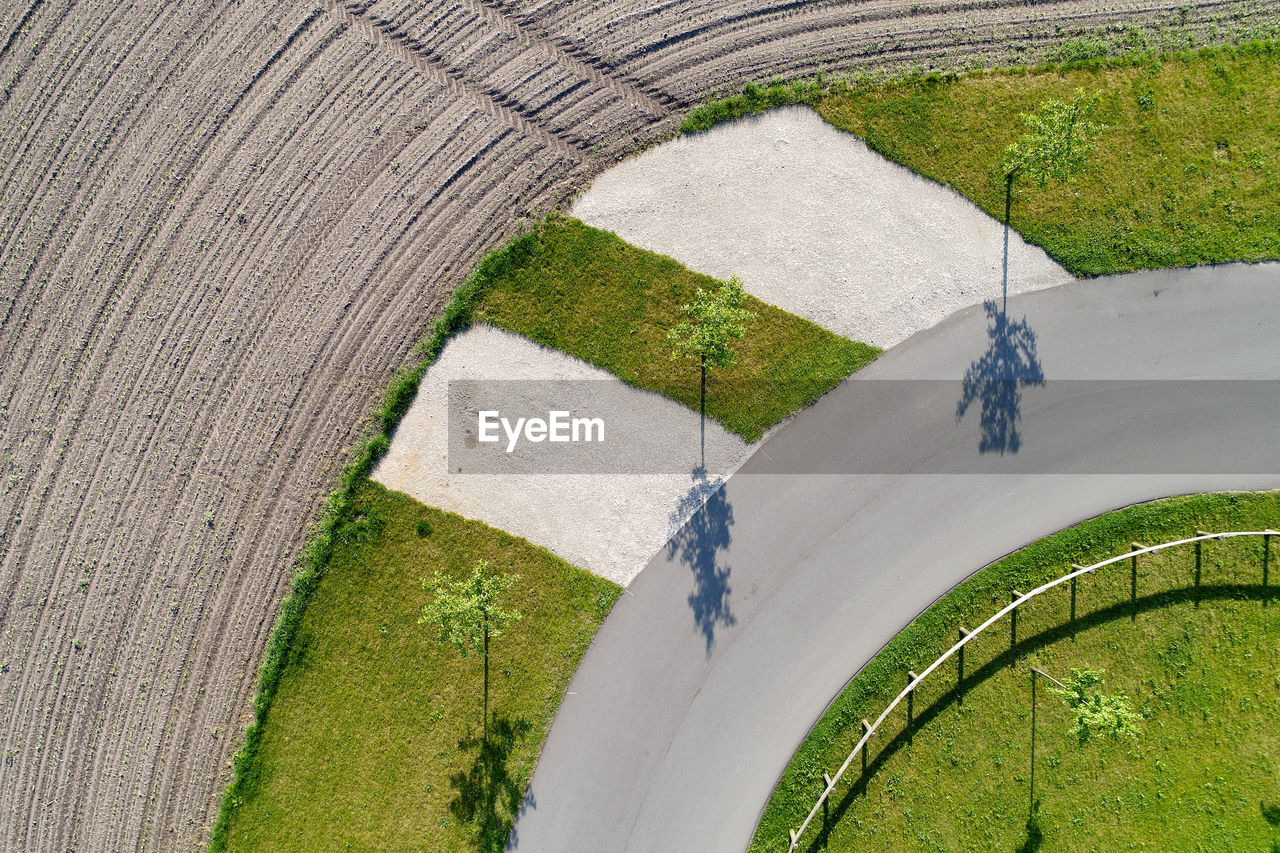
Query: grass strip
x=588 y=293
x=373 y=742
x=1199 y=666
x=1186 y=173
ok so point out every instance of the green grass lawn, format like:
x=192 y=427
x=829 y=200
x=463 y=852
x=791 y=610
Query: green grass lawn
x=372 y=740
x=1187 y=172
x=590 y=294
x=1201 y=668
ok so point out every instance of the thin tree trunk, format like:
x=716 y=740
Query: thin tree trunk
x=702 y=411
x=485 y=737
x=1032 y=811
x=1008 y=204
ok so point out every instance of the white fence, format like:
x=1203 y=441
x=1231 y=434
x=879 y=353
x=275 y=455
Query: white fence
x=1077 y=571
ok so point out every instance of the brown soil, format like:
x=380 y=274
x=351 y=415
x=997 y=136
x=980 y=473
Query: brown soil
x=222 y=228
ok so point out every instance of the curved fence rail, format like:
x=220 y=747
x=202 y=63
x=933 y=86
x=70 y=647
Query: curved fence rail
x=1019 y=598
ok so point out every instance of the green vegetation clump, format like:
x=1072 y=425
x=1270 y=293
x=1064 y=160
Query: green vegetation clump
x=588 y=293
x=1198 y=664
x=753 y=101
x=374 y=740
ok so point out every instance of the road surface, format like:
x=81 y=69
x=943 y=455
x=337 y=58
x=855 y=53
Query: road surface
x=733 y=640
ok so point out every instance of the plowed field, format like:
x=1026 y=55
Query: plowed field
x=222 y=228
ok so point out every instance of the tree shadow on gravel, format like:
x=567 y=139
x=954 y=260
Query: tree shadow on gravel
x=488 y=798
x=699 y=543
x=997 y=379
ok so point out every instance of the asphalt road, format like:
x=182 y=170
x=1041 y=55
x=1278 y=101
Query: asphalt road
x=706 y=677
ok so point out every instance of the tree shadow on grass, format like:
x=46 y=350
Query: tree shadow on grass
x=1270 y=813
x=997 y=379
x=488 y=798
x=1001 y=663
x=699 y=543
x=1035 y=838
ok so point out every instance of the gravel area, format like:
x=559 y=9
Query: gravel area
x=609 y=524
x=812 y=220
x=816 y=223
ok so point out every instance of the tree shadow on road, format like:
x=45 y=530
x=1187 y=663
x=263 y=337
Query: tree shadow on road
x=997 y=379
x=698 y=544
x=488 y=798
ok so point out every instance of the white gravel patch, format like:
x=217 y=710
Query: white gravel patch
x=609 y=524
x=816 y=223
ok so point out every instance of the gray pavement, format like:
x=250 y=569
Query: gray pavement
x=732 y=641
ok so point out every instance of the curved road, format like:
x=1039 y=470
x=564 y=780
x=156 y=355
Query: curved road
x=704 y=680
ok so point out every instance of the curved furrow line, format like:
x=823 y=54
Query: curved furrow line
x=22 y=219
x=16 y=32
x=529 y=75
x=528 y=35
x=745 y=31
x=731 y=66
x=27 y=118
x=907 y=48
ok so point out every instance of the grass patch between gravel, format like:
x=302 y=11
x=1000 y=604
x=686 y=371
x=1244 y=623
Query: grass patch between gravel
x=590 y=294
x=372 y=740
x=1187 y=172
x=1202 y=669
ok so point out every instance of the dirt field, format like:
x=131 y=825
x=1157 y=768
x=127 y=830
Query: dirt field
x=222 y=227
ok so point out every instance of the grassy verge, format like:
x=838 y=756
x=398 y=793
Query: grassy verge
x=1186 y=173
x=373 y=739
x=1201 y=668
x=590 y=294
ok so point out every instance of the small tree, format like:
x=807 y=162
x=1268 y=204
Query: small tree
x=468 y=614
x=1095 y=715
x=714 y=321
x=1058 y=140
x=1055 y=147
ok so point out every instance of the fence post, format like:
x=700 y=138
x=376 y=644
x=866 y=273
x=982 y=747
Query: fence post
x=1266 y=563
x=866 y=745
x=1013 y=628
x=1133 y=581
x=826 y=801
x=964 y=632
x=912 y=678
x=1198 y=565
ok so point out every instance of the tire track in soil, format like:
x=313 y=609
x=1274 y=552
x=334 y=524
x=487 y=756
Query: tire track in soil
x=395 y=42
x=162 y=360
